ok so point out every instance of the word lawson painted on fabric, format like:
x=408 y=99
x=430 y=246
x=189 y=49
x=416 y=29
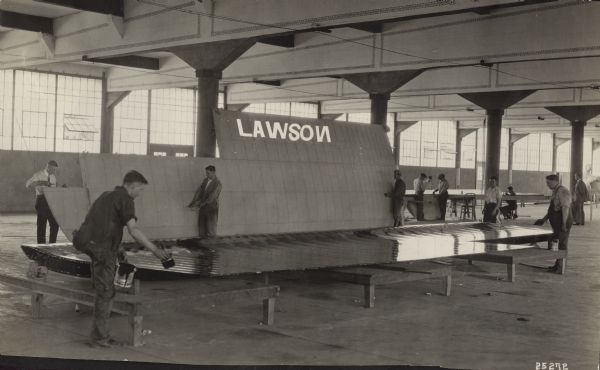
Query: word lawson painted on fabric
x=287 y=131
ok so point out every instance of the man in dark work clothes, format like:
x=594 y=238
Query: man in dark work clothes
x=206 y=200
x=397 y=196
x=100 y=237
x=559 y=214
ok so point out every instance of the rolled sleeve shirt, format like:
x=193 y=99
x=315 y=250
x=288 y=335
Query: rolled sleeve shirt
x=42 y=175
x=418 y=185
x=561 y=197
x=443 y=186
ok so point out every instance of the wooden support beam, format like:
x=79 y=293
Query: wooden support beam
x=268 y=82
x=112 y=7
x=25 y=22
x=372 y=27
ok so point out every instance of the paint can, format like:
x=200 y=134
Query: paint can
x=124 y=275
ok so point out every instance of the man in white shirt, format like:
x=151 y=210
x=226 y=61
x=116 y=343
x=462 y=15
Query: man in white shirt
x=493 y=200
x=41 y=180
x=442 y=198
x=419 y=186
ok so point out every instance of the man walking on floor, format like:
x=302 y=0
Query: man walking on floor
x=206 y=200
x=45 y=178
x=559 y=214
x=580 y=196
x=100 y=235
x=397 y=196
x=442 y=198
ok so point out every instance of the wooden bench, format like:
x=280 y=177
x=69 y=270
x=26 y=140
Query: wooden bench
x=512 y=257
x=157 y=296
x=370 y=276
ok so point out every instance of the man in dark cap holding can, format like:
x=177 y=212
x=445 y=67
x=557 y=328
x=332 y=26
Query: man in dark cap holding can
x=41 y=180
x=559 y=214
x=100 y=237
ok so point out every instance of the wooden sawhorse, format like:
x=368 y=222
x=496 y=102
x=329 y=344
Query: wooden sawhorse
x=372 y=275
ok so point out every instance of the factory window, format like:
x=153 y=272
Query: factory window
x=429 y=137
x=563 y=158
x=255 y=108
x=504 y=149
x=359 y=117
x=546 y=144
x=446 y=145
x=410 y=145
x=587 y=154
x=172 y=116
x=78 y=107
x=281 y=109
x=182 y=155
x=220 y=102
x=595 y=160
x=160 y=154
x=520 y=152
x=34 y=115
x=533 y=152
x=467 y=151
x=307 y=110
x=131 y=124
x=6 y=91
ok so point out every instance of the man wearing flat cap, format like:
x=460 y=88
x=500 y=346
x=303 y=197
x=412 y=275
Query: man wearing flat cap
x=41 y=180
x=559 y=214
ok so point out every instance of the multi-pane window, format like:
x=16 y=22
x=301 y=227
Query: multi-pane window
x=467 y=152
x=78 y=114
x=410 y=146
x=504 y=143
x=131 y=124
x=6 y=91
x=446 y=148
x=255 y=108
x=563 y=157
x=596 y=162
x=34 y=115
x=546 y=146
x=172 y=117
x=307 y=110
x=587 y=155
x=429 y=143
x=281 y=109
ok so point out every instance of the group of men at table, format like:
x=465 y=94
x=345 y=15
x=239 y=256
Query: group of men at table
x=492 y=197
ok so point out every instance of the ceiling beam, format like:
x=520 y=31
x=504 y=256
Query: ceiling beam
x=372 y=27
x=284 y=41
x=131 y=61
x=111 y=7
x=25 y=22
x=268 y=82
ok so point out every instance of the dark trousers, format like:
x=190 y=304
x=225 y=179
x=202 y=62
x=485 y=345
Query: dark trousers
x=488 y=213
x=207 y=222
x=44 y=215
x=398 y=212
x=506 y=210
x=578 y=213
x=555 y=218
x=442 y=200
x=419 y=197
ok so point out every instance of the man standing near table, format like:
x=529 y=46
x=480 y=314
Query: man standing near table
x=559 y=214
x=206 y=200
x=45 y=178
x=442 y=197
x=493 y=200
x=419 y=186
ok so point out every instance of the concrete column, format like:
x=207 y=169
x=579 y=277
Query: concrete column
x=379 y=107
x=458 y=156
x=106 y=120
x=493 y=138
x=577 y=129
x=207 y=102
x=554 y=151
x=511 y=145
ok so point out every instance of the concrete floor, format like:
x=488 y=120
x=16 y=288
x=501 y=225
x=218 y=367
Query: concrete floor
x=487 y=323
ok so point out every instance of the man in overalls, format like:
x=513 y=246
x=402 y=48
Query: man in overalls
x=559 y=214
x=100 y=237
